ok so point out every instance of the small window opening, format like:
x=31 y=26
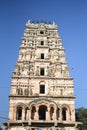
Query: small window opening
x=42 y=89
x=42 y=55
x=41 y=32
x=42 y=42
x=41 y=71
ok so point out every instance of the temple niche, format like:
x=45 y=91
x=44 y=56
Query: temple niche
x=42 y=91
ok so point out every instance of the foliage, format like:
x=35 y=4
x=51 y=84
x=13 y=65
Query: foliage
x=81 y=115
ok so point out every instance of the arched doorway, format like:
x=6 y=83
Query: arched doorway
x=42 y=112
x=64 y=113
x=19 y=113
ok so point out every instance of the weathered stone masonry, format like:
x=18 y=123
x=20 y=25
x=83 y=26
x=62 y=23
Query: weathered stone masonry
x=42 y=92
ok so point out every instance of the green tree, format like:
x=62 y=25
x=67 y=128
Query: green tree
x=81 y=115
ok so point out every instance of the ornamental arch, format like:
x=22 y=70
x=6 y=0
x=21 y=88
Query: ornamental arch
x=43 y=109
x=65 y=112
x=20 y=111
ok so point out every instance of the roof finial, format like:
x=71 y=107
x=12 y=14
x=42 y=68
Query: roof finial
x=29 y=21
x=53 y=23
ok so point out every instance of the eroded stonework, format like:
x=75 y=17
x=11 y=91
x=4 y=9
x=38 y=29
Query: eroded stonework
x=42 y=92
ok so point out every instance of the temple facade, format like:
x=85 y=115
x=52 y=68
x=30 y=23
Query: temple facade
x=42 y=91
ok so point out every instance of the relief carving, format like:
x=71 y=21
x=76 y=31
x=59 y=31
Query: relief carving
x=65 y=71
x=31 y=69
x=49 y=71
x=19 y=91
x=17 y=70
x=37 y=71
x=26 y=91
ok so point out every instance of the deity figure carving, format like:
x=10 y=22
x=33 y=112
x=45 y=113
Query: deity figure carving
x=65 y=71
x=17 y=69
x=19 y=91
x=48 y=71
x=30 y=90
x=31 y=69
x=26 y=91
x=37 y=71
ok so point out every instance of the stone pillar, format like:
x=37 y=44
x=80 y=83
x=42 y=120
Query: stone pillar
x=60 y=115
x=23 y=114
x=67 y=115
x=54 y=114
x=72 y=113
x=36 y=114
x=29 y=113
x=48 y=114
x=11 y=112
x=15 y=114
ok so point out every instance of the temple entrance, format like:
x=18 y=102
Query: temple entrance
x=42 y=112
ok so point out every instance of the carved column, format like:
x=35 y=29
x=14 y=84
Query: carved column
x=72 y=113
x=36 y=113
x=67 y=115
x=23 y=114
x=29 y=113
x=54 y=114
x=15 y=114
x=11 y=113
x=48 y=114
x=60 y=115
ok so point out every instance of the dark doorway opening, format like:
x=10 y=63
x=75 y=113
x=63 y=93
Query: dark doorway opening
x=42 y=112
x=64 y=114
x=19 y=113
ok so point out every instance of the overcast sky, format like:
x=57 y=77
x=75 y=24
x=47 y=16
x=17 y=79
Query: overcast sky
x=71 y=18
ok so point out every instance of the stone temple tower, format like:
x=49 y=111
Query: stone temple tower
x=42 y=92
